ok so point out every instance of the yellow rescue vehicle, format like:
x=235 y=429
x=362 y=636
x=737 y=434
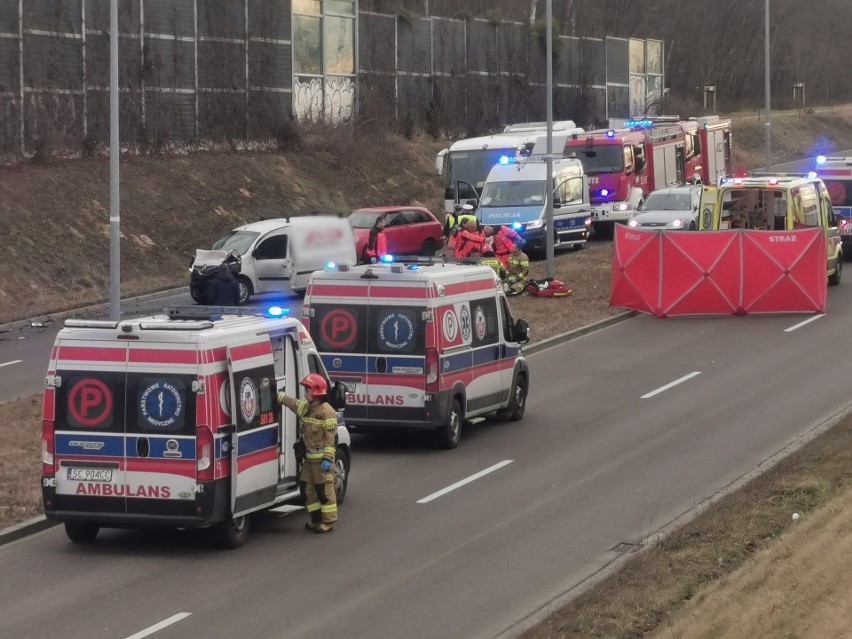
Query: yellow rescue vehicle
x=774 y=203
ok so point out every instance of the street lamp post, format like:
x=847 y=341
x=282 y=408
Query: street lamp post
x=548 y=198
x=114 y=151
x=766 y=89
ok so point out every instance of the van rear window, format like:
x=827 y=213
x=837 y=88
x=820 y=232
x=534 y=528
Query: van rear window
x=352 y=328
x=339 y=328
x=396 y=330
x=119 y=402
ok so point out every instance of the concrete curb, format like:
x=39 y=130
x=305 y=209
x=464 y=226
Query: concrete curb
x=61 y=315
x=578 y=332
x=25 y=528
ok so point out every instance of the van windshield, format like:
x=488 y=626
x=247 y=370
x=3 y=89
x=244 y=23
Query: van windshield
x=237 y=241
x=598 y=159
x=513 y=193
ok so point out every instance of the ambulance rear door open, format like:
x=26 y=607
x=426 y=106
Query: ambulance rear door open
x=709 y=220
x=287 y=376
x=255 y=438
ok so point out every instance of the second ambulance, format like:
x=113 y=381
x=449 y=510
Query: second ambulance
x=419 y=346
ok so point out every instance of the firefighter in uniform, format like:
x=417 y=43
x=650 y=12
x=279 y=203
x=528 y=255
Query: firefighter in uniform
x=518 y=268
x=318 y=430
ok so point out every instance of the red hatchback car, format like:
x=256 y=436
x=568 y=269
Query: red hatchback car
x=410 y=230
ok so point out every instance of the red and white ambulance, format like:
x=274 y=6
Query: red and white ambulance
x=420 y=346
x=172 y=420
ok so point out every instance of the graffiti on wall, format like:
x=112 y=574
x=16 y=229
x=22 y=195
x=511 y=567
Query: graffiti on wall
x=335 y=102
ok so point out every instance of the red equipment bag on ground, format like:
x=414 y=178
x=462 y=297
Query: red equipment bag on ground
x=548 y=288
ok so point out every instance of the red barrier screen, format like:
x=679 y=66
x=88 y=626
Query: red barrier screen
x=732 y=272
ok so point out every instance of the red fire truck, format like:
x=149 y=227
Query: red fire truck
x=626 y=164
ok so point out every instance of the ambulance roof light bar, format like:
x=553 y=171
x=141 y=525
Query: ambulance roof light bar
x=216 y=312
x=824 y=159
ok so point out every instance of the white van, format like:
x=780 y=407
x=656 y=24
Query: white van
x=514 y=194
x=279 y=255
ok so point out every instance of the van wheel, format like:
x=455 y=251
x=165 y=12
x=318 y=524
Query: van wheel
x=233 y=532
x=514 y=412
x=449 y=434
x=245 y=289
x=341 y=474
x=80 y=532
x=428 y=248
x=834 y=279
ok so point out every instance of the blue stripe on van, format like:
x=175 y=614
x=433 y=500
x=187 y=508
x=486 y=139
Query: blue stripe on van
x=367 y=363
x=253 y=441
x=89 y=445
x=470 y=358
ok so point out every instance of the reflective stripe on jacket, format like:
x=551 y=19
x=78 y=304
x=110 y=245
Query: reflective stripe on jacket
x=318 y=427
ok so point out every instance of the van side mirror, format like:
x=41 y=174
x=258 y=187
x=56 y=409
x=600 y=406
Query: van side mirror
x=521 y=331
x=337 y=396
x=557 y=203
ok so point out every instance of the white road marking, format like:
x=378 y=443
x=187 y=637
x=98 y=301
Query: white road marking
x=467 y=480
x=800 y=324
x=159 y=626
x=668 y=386
x=14 y=361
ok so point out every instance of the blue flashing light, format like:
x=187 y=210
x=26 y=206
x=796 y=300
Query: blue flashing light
x=277 y=311
x=820 y=159
x=610 y=134
x=330 y=266
x=517 y=226
x=639 y=123
x=604 y=192
x=413 y=267
x=387 y=259
x=812 y=174
x=504 y=159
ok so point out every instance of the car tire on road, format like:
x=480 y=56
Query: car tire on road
x=81 y=532
x=449 y=435
x=233 y=532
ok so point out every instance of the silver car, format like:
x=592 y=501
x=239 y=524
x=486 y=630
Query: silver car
x=672 y=208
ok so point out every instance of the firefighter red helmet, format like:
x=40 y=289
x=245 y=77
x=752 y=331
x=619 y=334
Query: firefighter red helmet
x=316 y=384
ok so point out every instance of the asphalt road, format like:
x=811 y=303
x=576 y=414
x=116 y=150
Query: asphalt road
x=627 y=430
x=654 y=417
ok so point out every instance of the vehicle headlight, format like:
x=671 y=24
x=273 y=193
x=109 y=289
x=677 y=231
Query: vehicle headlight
x=676 y=224
x=633 y=222
x=535 y=224
x=623 y=206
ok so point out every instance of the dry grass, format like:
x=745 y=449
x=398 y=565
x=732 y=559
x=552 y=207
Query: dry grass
x=20 y=460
